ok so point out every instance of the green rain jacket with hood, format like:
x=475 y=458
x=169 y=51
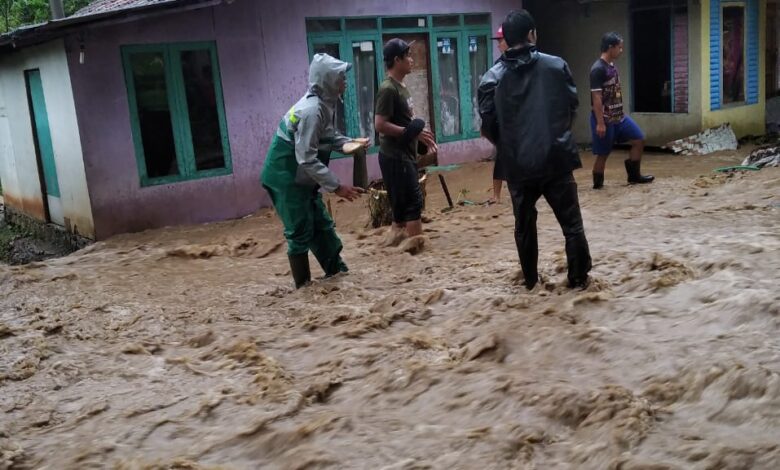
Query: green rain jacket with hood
x=296 y=166
x=309 y=130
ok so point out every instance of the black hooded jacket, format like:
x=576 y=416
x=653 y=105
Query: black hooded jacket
x=527 y=102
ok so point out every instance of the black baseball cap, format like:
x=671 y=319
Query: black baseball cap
x=395 y=47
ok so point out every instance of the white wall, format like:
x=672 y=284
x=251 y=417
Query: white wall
x=8 y=179
x=18 y=165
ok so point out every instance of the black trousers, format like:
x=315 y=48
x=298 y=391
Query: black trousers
x=561 y=194
x=403 y=188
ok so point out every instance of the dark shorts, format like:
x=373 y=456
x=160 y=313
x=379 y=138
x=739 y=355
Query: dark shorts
x=624 y=131
x=403 y=188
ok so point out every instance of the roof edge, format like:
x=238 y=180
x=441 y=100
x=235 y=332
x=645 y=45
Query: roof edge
x=30 y=35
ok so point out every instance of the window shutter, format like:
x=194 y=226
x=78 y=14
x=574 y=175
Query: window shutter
x=752 y=39
x=715 y=54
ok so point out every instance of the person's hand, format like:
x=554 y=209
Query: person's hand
x=413 y=130
x=601 y=130
x=349 y=193
x=363 y=140
x=429 y=140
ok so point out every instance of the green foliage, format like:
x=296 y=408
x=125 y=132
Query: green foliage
x=16 y=13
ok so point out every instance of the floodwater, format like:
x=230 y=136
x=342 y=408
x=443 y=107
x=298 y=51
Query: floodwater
x=187 y=348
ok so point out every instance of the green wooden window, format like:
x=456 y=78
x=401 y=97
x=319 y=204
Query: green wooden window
x=366 y=70
x=461 y=58
x=459 y=54
x=177 y=112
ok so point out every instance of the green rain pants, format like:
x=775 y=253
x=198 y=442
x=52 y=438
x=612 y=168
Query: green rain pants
x=307 y=225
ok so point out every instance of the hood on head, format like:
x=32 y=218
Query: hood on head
x=324 y=73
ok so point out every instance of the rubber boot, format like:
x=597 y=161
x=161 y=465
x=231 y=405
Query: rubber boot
x=634 y=175
x=334 y=266
x=598 y=180
x=299 y=266
x=329 y=255
x=578 y=283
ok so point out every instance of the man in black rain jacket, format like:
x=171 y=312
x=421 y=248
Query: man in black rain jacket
x=527 y=103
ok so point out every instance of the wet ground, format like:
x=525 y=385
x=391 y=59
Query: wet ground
x=187 y=347
x=20 y=247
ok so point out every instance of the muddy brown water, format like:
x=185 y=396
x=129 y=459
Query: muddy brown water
x=187 y=347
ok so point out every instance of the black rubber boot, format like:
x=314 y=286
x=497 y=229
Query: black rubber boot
x=578 y=283
x=634 y=174
x=299 y=266
x=330 y=260
x=334 y=266
x=598 y=180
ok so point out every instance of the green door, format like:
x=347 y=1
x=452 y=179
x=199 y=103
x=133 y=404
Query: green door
x=42 y=134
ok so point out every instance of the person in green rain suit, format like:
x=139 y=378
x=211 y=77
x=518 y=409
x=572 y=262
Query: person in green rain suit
x=296 y=167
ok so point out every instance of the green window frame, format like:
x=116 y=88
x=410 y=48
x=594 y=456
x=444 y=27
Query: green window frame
x=181 y=125
x=465 y=90
x=341 y=34
x=351 y=101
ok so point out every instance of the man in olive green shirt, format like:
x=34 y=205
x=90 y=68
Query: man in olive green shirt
x=399 y=132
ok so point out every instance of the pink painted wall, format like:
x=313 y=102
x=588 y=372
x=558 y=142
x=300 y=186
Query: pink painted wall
x=263 y=60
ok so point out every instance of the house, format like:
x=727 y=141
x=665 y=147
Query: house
x=135 y=114
x=773 y=65
x=689 y=64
